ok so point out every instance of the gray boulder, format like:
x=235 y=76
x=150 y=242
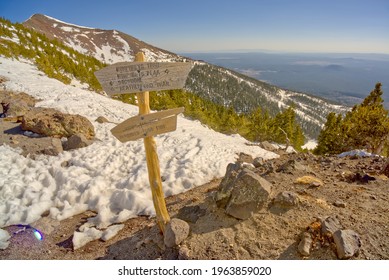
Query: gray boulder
x=249 y=194
x=258 y=162
x=347 y=243
x=227 y=184
x=330 y=225
x=286 y=199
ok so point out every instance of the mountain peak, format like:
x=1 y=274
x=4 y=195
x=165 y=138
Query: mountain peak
x=108 y=46
x=46 y=18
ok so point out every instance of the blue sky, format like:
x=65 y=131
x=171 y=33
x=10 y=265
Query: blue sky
x=228 y=25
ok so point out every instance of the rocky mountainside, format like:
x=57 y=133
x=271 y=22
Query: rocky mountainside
x=220 y=85
x=108 y=46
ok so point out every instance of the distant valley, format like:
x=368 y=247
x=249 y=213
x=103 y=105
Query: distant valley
x=343 y=78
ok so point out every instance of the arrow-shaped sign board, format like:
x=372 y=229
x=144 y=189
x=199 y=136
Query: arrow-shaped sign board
x=130 y=77
x=147 y=125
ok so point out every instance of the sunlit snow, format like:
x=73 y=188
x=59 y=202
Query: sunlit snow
x=107 y=177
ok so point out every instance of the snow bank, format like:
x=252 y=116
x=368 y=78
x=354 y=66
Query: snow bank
x=310 y=145
x=108 y=177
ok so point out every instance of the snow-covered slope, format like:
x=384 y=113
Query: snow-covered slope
x=109 y=46
x=108 y=177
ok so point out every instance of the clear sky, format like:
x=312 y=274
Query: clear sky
x=227 y=25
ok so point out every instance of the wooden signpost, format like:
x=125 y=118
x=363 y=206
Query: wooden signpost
x=140 y=77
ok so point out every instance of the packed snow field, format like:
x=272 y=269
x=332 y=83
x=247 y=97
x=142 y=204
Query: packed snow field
x=108 y=177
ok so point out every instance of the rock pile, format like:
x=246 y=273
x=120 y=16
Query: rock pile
x=327 y=232
x=53 y=123
x=42 y=130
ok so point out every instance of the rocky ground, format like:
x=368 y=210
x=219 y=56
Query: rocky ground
x=352 y=200
x=312 y=208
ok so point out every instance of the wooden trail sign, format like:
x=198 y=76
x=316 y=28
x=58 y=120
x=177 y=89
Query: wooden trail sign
x=147 y=125
x=130 y=77
x=140 y=77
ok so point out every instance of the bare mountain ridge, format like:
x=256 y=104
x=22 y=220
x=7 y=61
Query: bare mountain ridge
x=220 y=85
x=108 y=46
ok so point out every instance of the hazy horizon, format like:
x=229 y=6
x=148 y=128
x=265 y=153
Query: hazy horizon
x=345 y=78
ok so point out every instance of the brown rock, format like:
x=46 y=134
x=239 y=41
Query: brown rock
x=3 y=79
x=20 y=103
x=76 y=141
x=309 y=180
x=305 y=244
x=46 y=225
x=54 y=148
x=245 y=158
x=385 y=169
x=268 y=146
x=102 y=119
x=50 y=122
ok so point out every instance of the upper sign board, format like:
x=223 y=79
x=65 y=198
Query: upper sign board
x=131 y=77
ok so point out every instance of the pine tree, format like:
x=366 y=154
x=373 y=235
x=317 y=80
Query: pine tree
x=366 y=126
x=286 y=130
x=331 y=139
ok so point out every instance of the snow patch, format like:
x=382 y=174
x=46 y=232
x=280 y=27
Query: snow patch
x=310 y=145
x=60 y=21
x=4 y=237
x=358 y=153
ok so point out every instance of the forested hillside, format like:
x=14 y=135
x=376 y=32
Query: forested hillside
x=52 y=57
x=246 y=94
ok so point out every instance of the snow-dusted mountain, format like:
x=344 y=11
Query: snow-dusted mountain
x=108 y=46
x=215 y=83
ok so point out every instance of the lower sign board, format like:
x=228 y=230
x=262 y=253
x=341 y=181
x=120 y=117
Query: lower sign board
x=147 y=125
